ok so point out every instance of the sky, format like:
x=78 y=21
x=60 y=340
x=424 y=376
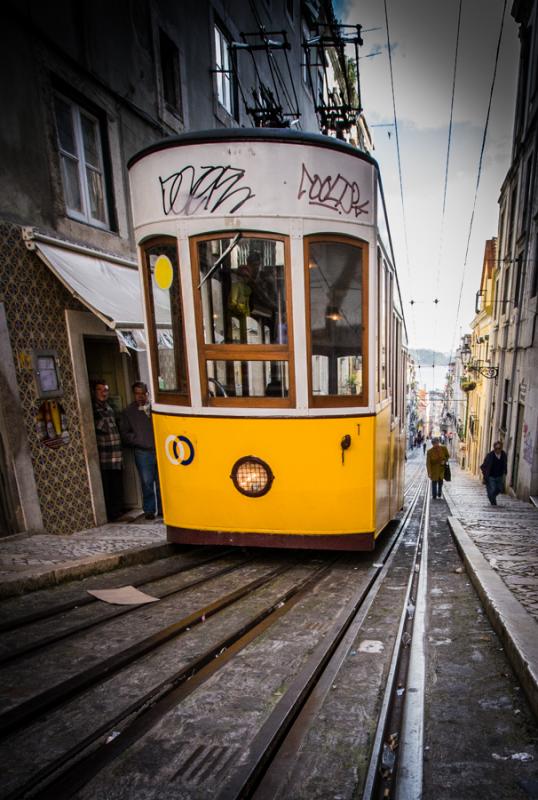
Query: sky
x=430 y=250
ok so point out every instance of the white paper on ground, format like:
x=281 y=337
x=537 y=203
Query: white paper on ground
x=124 y=596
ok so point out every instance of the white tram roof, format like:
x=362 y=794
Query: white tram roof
x=253 y=173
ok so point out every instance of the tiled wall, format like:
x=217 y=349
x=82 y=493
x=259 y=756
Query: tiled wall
x=35 y=302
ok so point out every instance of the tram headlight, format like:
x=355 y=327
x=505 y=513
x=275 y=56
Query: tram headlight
x=251 y=476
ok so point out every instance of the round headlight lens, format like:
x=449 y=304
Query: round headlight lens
x=252 y=476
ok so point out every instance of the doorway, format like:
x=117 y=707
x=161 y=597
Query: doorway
x=104 y=360
x=8 y=520
x=517 y=444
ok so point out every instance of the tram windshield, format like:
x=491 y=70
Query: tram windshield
x=243 y=291
x=336 y=317
x=242 y=283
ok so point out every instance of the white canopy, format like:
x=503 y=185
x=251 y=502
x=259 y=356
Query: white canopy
x=111 y=290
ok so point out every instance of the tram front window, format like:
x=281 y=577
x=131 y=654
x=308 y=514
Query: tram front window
x=248 y=378
x=337 y=293
x=166 y=335
x=243 y=297
x=242 y=319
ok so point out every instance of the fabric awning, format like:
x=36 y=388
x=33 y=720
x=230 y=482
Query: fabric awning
x=111 y=290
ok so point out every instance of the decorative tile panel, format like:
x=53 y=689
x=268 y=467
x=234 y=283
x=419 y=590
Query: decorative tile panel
x=35 y=303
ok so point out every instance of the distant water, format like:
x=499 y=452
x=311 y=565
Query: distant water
x=432 y=377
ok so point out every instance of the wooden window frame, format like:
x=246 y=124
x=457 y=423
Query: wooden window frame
x=242 y=352
x=78 y=112
x=334 y=400
x=167 y=398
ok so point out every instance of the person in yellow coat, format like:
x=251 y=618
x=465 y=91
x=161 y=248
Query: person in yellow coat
x=436 y=459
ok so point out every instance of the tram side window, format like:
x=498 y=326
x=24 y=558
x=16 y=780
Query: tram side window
x=167 y=344
x=381 y=314
x=388 y=330
x=244 y=317
x=337 y=295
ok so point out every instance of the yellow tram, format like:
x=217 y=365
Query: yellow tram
x=276 y=338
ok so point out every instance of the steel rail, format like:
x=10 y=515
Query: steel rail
x=111 y=614
x=144 y=713
x=380 y=778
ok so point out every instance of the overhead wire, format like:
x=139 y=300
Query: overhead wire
x=445 y=188
x=399 y=160
x=449 y=141
x=479 y=172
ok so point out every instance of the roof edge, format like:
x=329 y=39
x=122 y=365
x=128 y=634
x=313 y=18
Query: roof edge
x=249 y=135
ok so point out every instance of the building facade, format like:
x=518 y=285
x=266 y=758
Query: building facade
x=83 y=87
x=478 y=367
x=514 y=337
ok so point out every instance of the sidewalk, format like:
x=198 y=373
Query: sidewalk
x=37 y=561
x=499 y=546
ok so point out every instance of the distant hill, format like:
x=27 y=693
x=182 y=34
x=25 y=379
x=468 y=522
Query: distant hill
x=428 y=357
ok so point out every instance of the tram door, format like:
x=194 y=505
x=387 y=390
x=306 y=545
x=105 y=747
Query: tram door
x=104 y=360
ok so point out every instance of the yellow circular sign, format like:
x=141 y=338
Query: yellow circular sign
x=164 y=272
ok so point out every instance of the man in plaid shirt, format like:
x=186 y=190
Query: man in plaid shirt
x=109 y=447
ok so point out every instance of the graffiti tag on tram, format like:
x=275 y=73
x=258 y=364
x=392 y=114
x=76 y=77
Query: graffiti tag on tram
x=211 y=188
x=336 y=193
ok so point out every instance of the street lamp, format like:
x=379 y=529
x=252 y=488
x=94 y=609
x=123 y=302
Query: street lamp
x=483 y=369
x=479 y=367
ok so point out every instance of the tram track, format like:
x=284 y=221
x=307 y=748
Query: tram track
x=385 y=760
x=111 y=613
x=24 y=712
x=151 y=704
x=279 y=742
x=78 y=764
x=47 y=612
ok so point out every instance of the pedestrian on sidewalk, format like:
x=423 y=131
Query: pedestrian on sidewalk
x=109 y=447
x=494 y=470
x=436 y=459
x=137 y=432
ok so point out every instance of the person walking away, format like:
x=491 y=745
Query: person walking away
x=494 y=470
x=109 y=448
x=436 y=459
x=137 y=432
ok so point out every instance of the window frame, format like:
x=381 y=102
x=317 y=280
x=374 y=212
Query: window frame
x=382 y=345
x=220 y=73
x=168 y=49
x=242 y=352
x=166 y=398
x=333 y=400
x=77 y=111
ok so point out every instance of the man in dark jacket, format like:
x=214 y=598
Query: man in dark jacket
x=137 y=432
x=494 y=470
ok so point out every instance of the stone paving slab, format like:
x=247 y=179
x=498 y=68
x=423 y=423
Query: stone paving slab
x=35 y=561
x=499 y=547
x=506 y=535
